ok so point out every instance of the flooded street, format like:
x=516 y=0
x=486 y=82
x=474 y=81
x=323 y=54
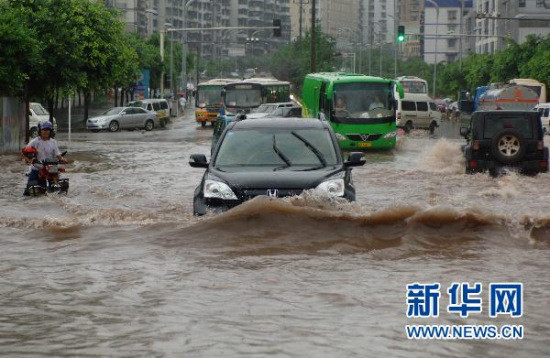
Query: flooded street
x=121 y=267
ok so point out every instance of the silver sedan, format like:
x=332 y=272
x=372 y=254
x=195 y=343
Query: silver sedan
x=122 y=117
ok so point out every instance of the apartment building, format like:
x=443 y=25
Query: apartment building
x=499 y=20
x=444 y=22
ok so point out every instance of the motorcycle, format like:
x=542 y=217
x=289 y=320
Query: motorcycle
x=48 y=178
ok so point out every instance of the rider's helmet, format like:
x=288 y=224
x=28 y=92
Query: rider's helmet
x=45 y=125
x=29 y=152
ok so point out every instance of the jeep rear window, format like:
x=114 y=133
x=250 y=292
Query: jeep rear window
x=494 y=124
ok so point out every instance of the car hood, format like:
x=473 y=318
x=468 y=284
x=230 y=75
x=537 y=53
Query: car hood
x=102 y=118
x=266 y=178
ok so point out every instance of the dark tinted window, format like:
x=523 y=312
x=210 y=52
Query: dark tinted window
x=422 y=106
x=408 y=106
x=494 y=124
x=156 y=106
x=139 y=110
x=433 y=107
x=547 y=112
x=163 y=105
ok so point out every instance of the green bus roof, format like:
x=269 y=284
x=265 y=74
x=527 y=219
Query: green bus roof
x=344 y=77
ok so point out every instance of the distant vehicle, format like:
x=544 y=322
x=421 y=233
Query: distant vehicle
x=158 y=106
x=361 y=109
x=274 y=91
x=544 y=112
x=38 y=114
x=122 y=117
x=497 y=140
x=276 y=109
x=209 y=100
x=512 y=97
x=279 y=157
x=412 y=84
x=417 y=111
x=538 y=87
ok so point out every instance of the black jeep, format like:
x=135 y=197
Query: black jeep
x=500 y=139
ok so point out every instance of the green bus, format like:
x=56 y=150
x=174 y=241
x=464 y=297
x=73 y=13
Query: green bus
x=361 y=109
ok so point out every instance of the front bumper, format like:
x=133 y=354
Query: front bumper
x=96 y=126
x=381 y=143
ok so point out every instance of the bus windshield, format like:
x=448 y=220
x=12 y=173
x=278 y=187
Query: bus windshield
x=360 y=102
x=243 y=96
x=414 y=86
x=210 y=96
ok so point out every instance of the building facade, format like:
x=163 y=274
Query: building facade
x=444 y=24
x=499 y=20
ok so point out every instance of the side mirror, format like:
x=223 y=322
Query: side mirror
x=355 y=159
x=464 y=131
x=198 y=161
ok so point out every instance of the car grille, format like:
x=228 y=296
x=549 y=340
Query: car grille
x=363 y=137
x=281 y=193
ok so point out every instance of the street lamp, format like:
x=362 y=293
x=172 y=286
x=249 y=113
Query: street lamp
x=435 y=51
x=162 y=34
x=184 y=47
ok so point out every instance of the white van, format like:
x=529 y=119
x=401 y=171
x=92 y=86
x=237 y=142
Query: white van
x=544 y=111
x=417 y=110
x=159 y=106
x=37 y=114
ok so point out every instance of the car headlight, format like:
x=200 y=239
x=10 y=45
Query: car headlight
x=216 y=189
x=390 y=135
x=333 y=187
x=340 y=136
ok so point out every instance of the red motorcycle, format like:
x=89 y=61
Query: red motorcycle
x=48 y=175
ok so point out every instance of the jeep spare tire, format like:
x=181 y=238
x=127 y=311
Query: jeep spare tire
x=508 y=146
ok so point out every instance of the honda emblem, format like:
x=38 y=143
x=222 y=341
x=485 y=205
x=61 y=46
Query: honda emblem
x=272 y=193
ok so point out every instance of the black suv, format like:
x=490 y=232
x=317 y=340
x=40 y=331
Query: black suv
x=499 y=139
x=276 y=157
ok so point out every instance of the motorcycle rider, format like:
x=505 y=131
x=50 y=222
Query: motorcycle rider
x=46 y=148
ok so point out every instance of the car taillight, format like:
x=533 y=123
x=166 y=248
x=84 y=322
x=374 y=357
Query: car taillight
x=543 y=165
x=475 y=145
x=540 y=145
x=473 y=164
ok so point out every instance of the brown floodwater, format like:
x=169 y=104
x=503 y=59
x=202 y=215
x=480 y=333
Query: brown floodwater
x=120 y=267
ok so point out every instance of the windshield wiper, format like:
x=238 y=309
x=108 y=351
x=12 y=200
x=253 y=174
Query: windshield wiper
x=281 y=155
x=311 y=147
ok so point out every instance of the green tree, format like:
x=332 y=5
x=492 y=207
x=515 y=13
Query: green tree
x=20 y=52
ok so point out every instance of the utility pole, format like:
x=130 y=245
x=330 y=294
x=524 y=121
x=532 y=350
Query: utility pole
x=312 y=66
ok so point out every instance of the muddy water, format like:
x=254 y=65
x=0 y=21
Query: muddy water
x=121 y=267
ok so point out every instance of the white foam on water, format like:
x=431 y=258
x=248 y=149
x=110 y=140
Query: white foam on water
x=444 y=157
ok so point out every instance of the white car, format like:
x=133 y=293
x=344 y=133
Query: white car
x=544 y=111
x=271 y=110
x=123 y=117
x=417 y=111
x=37 y=115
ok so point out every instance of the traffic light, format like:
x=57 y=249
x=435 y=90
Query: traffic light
x=277 y=27
x=401 y=34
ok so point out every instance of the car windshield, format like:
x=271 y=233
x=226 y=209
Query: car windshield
x=279 y=148
x=361 y=102
x=39 y=110
x=494 y=124
x=210 y=96
x=243 y=97
x=115 y=110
